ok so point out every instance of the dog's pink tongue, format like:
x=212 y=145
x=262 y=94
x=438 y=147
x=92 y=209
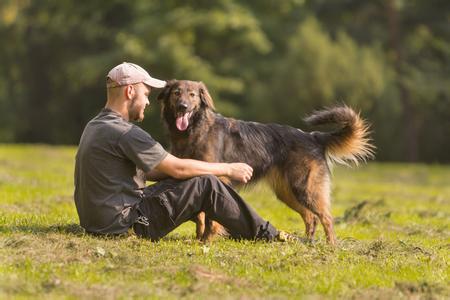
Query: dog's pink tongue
x=182 y=122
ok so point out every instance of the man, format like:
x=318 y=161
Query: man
x=116 y=157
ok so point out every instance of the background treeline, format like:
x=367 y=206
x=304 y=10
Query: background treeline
x=263 y=60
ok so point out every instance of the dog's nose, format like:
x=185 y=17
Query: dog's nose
x=182 y=106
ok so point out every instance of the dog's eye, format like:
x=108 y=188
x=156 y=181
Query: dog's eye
x=177 y=93
x=192 y=94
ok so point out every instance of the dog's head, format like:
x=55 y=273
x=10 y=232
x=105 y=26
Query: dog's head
x=183 y=101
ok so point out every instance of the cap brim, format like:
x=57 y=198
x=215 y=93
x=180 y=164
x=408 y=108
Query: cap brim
x=156 y=83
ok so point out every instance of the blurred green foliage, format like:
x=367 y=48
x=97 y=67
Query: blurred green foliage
x=267 y=61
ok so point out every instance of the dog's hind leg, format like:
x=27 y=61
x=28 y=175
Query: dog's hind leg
x=321 y=207
x=310 y=184
x=318 y=197
x=310 y=220
x=283 y=191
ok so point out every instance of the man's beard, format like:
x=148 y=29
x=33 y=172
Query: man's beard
x=133 y=112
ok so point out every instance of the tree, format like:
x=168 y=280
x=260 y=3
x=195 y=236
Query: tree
x=317 y=71
x=415 y=38
x=269 y=61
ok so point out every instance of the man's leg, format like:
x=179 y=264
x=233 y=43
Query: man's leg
x=173 y=202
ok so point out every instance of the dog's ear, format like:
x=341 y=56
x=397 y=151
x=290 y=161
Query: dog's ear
x=205 y=96
x=166 y=90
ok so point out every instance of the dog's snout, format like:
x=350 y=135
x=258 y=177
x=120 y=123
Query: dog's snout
x=182 y=106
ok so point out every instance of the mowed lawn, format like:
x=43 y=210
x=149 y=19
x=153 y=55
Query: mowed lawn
x=392 y=224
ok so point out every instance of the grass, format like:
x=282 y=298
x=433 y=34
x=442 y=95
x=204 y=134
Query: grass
x=392 y=223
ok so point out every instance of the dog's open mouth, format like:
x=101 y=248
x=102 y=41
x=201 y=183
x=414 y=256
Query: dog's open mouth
x=182 y=121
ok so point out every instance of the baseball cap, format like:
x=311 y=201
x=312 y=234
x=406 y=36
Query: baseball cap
x=129 y=73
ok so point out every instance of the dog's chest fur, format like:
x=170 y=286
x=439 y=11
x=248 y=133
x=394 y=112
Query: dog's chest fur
x=198 y=142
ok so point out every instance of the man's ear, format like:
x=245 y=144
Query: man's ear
x=205 y=96
x=166 y=90
x=129 y=91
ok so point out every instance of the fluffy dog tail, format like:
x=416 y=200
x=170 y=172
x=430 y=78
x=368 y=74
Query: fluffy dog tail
x=348 y=144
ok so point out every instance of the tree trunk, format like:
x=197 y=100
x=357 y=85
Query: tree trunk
x=35 y=111
x=410 y=122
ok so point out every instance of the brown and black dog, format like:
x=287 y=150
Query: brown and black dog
x=295 y=163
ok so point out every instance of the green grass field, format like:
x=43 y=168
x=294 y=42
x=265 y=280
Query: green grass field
x=392 y=224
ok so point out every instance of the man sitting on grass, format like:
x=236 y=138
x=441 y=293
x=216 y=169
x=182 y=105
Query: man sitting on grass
x=116 y=157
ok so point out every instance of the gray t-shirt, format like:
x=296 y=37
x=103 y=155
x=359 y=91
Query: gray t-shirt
x=112 y=159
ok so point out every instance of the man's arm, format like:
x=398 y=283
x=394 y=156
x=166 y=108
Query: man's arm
x=187 y=168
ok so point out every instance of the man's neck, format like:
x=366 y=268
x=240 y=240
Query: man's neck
x=119 y=108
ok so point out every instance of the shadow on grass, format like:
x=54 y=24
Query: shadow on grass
x=69 y=229
x=72 y=228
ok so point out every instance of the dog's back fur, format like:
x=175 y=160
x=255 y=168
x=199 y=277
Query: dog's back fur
x=295 y=163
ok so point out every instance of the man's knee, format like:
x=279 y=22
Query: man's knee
x=210 y=182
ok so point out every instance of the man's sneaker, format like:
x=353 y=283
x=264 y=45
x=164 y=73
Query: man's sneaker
x=283 y=236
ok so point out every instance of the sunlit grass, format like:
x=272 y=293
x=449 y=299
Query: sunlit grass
x=396 y=246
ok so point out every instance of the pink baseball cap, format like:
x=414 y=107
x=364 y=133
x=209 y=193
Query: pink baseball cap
x=129 y=73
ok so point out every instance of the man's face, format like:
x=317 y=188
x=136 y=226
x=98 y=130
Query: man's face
x=139 y=102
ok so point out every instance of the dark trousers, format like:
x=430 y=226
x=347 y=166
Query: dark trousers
x=169 y=203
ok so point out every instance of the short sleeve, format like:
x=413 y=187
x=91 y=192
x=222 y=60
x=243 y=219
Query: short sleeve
x=141 y=149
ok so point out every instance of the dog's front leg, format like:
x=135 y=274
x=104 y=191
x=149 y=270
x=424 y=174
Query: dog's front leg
x=207 y=229
x=200 y=225
x=212 y=230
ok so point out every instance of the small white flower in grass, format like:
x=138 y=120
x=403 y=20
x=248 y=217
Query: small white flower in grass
x=205 y=249
x=100 y=251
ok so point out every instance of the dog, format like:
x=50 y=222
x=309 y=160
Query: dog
x=296 y=164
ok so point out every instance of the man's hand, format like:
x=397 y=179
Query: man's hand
x=240 y=172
